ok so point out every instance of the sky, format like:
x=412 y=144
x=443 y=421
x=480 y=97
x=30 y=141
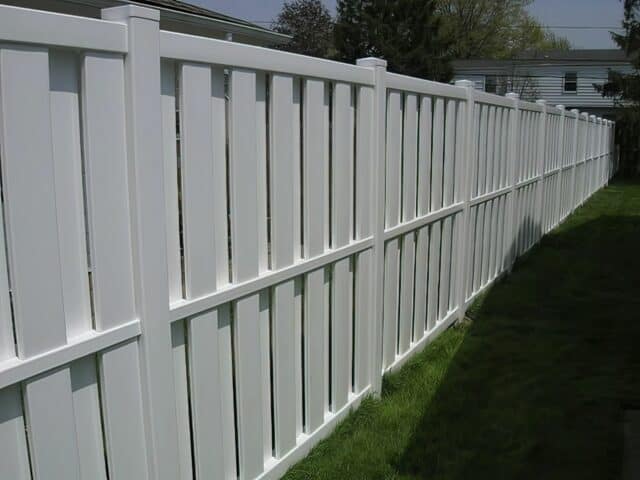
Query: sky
x=594 y=14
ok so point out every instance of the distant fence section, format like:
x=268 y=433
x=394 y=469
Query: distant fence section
x=211 y=252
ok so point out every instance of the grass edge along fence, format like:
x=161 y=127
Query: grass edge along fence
x=215 y=250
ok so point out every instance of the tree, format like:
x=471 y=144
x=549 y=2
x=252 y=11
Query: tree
x=406 y=33
x=494 y=29
x=624 y=89
x=310 y=25
x=520 y=82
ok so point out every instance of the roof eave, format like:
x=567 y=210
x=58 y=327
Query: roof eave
x=261 y=34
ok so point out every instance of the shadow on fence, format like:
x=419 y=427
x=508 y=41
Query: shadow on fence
x=537 y=388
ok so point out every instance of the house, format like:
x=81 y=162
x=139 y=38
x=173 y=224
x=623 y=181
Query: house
x=559 y=77
x=175 y=16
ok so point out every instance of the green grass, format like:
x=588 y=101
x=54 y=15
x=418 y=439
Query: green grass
x=534 y=387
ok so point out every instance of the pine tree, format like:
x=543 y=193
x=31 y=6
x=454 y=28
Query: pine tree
x=624 y=88
x=310 y=25
x=406 y=33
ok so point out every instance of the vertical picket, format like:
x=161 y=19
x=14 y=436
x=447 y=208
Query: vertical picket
x=169 y=155
x=512 y=162
x=110 y=234
x=482 y=154
x=449 y=153
x=464 y=152
x=342 y=182
x=315 y=161
x=246 y=210
x=392 y=215
x=14 y=461
x=409 y=191
x=561 y=173
x=437 y=160
x=33 y=249
x=264 y=319
x=486 y=246
x=422 y=235
x=479 y=248
x=424 y=155
x=492 y=238
x=202 y=140
x=14 y=458
x=471 y=253
x=66 y=143
x=282 y=149
x=491 y=148
x=434 y=274
x=364 y=210
x=178 y=337
x=445 y=268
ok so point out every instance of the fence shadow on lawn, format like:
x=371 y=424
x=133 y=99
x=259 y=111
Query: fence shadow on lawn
x=538 y=387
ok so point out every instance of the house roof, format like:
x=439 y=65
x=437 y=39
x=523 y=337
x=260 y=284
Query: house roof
x=175 y=16
x=602 y=56
x=185 y=7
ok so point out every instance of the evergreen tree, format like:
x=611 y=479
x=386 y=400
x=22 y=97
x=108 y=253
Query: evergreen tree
x=406 y=33
x=624 y=88
x=310 y=26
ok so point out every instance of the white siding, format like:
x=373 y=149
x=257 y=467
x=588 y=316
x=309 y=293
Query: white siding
x=550 y=82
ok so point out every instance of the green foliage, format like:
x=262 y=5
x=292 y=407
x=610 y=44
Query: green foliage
x=621 y=86
x=624 y=88
x=310 y=25
x=406 y=33
x=494 y=29
x=534 y=387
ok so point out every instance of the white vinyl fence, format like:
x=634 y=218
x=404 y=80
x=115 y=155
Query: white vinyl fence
x=215 y=250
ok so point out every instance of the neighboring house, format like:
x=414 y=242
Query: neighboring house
x=559 y=77
x=175 y=16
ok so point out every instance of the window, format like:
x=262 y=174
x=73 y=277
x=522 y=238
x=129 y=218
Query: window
x=570 y=82
x=491 y=84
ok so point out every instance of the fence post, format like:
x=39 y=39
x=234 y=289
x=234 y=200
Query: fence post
x=465 y=182
x=585 y=155
x=611 y=150
x=147 y=203
x=574 y=167
x=379 y=68
x=512 y=172
x=557 y=204
x=541 y=149
x=599 y=122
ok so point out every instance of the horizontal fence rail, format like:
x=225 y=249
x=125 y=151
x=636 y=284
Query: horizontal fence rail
x=211 y=252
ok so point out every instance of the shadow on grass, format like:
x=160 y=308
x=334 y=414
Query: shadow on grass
x=538 y=385
x=534 y=387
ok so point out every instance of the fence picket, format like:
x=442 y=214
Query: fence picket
x=315 y=188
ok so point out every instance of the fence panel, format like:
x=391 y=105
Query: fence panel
x=228 y=246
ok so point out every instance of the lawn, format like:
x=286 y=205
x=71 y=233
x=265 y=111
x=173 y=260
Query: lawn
x=534 y=386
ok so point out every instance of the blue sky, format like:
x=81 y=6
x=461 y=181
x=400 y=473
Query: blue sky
x=576 y=13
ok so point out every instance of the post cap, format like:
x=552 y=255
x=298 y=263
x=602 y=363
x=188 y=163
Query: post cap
x=560 y=107
x=541 y=101
x=124 y=12
x=371 y=62
x=513 y=95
